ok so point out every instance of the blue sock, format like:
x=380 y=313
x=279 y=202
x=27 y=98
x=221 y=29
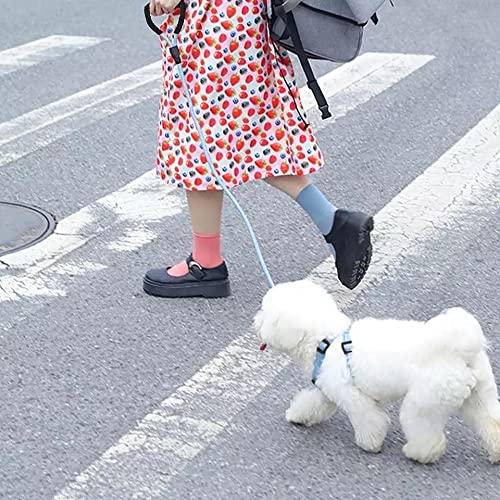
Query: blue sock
x=315 y=203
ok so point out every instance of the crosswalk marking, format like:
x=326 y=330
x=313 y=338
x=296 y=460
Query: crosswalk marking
x=374 y=72
x=141 y=202
x=61 y=118
x=373 y=83
x=135 y=204
x=144 y=461
x=42 y=50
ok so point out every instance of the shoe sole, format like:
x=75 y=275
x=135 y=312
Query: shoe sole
x=208 y=289
x=363 y=257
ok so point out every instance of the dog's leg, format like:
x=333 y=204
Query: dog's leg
x=423 y=428
x=310 y=406
x=368 y=419
x=482 y=409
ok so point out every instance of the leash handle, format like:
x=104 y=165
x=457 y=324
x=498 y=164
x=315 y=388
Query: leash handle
x=156 y=28
x=151 y=24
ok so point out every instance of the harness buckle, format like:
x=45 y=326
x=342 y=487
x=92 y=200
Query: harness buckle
x=344 y=344
x=326 y=344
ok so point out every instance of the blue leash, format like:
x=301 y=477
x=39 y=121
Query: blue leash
x=172 y=43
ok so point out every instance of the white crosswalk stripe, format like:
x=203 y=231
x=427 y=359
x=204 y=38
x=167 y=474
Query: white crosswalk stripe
x=39 y=128
x=42 y=50
x=372 y=71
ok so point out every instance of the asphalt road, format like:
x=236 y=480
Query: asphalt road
x=85 y=355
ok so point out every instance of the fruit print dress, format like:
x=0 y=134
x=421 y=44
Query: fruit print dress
x=245 y=97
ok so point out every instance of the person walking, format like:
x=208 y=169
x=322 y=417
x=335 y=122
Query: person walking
x=248 y=105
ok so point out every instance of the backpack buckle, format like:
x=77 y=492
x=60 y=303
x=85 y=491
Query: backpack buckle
x=325 y=112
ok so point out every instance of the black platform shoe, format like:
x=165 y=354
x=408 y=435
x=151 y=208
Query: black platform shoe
x=198 y=282
x=350 y=236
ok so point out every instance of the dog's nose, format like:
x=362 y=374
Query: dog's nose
x=263 y=347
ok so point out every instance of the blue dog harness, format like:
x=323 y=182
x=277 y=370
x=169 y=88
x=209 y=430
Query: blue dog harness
x=346 y=346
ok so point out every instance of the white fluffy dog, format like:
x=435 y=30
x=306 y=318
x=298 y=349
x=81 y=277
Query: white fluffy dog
x=440 y=367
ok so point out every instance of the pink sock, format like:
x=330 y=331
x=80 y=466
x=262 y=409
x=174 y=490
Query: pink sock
x=206 y=251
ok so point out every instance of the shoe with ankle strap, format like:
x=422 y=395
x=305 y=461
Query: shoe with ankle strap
x=198 y=282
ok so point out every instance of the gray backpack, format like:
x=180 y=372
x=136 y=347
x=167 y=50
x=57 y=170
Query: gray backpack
x=321 y=29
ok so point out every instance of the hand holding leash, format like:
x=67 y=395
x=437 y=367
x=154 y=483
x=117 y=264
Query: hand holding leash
x=160 y=7
x=154 y=27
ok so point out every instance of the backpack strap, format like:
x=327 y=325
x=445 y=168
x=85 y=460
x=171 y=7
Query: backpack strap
x=289 y=5
x=312 y=83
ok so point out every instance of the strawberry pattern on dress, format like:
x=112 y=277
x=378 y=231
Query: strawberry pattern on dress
x=245 y=97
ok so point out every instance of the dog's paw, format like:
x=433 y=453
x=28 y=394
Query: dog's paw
x=294 y=417
x=370 y=447
x=425 y=452
x=370 y=443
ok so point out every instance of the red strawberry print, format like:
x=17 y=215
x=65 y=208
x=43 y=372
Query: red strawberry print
x=238 y=89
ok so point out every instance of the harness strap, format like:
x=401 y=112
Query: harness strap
x=347 y=348
x=320 y=356
x=346 y=345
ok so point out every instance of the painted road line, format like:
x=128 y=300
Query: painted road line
x=141 y=202
x=42 y=50
x=143 y=462
x=373 y=83
x=372 y=72
x=70 y=235
x=64 y=117
x=49 y=123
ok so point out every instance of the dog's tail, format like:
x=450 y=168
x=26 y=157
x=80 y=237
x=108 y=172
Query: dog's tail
x=456 y=330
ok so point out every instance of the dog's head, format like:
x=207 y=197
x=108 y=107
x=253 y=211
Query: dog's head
x=295 y=317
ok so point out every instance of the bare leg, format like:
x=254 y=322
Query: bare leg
x=292 y=185
x=205 y=208
x=310 y=406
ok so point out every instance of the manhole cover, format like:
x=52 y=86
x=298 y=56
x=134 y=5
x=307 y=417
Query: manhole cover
x=22 y=226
